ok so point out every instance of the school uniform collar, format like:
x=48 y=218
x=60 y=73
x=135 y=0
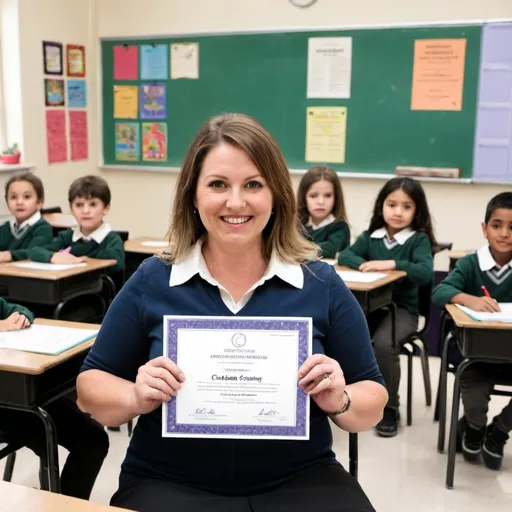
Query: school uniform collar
x=194 y=263
x=98 y=236
x=29 y=222
x=328 y=220
x=401 y=237
x=485 y=260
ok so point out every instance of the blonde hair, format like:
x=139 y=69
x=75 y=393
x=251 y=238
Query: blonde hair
x=282 y=235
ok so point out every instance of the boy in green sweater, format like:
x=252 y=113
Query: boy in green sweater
x=14 y=317
x=89 y=199
x=24 y=195
x=489 y=269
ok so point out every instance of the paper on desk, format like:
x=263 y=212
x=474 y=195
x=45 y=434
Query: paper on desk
x=154 y=243
x=48 y=266
x=354 y=276
x=481 y=316
x=45 y=339
x=329 y=261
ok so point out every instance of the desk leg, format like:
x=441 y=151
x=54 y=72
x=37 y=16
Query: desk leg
x=441 y=394
x=452 y=446
x=353 y=454
x=52 y=454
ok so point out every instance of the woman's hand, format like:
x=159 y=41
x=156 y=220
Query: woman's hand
x=14 y=322
x=157 y=381
x=322 y=378
x=377 y=265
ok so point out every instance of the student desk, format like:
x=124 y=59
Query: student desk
x=51 y=287
x=16 y=498
x=28 y=382
x=479 y=342
x=456 y=256
x=60 y=221
x=136 y=253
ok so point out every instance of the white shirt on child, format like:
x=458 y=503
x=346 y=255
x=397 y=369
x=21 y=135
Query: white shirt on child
x=330 y=218
x=98 y=236
x=18 y=230
x=401 y=237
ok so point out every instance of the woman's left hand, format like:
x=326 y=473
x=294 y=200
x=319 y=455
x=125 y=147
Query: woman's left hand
x=322 y=378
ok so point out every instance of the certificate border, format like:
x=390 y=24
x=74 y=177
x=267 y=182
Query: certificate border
x=170 y=428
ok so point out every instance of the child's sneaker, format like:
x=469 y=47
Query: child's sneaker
x=472 y=442
x=492 y=449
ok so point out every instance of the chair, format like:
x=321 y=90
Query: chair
x=442 y=246
x=353 y=454
x=51 y=209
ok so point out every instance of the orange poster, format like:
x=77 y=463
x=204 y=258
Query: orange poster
x=438 y=74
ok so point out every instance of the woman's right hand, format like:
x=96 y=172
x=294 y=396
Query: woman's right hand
x=157 y=381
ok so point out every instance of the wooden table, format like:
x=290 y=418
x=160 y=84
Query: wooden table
x=456 y=256
x=51 y=287
x=28 y=382
x=136 y=253
x=16 y=498
x=479 y=342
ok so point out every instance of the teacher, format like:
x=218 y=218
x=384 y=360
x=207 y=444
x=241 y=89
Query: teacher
x=236 y=249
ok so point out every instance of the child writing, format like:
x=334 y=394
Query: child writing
x=480 y=281
x=24 y=195
x=89 y=199
x=400 y=236
x=322 y=210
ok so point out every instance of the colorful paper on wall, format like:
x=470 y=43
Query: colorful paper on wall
x=153 y=101
x=78 y=135
x=185 y=60
x=154 y=142
x=438 y=74
x=153 y=62
x=52 y=58
x=54 y=92
x=127 y=142
x=326 y=129
x=126 y=101
x=77 y=93
x=56 y=136
x=126 y=62
x=75 y=57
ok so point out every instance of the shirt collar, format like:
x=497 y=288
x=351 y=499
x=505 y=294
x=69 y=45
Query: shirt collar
x=29 y=222
x=401 y=237
x=486 y=261
x=328 y=220
x=194 y=263
x=98 y=236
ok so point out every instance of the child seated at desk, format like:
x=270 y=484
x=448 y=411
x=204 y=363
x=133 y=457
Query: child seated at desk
x=479 y=281
x=89 y=199
x=24 y=195
x=400 y=237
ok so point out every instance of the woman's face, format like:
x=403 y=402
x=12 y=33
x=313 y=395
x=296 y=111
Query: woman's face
x=232 y=198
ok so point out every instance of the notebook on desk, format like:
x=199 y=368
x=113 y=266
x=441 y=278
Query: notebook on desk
x=505 y=315
x=45 y=339
x=353 y=276
x=34 y=265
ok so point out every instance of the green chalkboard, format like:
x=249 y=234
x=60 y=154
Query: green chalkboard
x=265 y=76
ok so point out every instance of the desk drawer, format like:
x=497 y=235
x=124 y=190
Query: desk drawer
x=486 y=343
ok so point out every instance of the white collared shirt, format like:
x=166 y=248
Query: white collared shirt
x=328 y=220
x=486 y=262
x=401 y=237
x=98 y=236
x=185 y=270
x=29 y=222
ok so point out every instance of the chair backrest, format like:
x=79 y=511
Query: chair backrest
x=51 y=209
x=442 y=246
x=425 y=303
x=123 y=234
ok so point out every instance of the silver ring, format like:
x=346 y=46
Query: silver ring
x=327 y=376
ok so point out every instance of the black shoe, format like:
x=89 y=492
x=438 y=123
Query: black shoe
x=388 y=426
x=492 y=448
x=472 y=442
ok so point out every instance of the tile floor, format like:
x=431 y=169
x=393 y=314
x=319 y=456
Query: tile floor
x=399 y=475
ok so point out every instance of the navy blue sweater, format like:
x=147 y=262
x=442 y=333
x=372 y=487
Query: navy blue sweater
x=131 y=334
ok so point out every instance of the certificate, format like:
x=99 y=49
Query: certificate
x=241 y=377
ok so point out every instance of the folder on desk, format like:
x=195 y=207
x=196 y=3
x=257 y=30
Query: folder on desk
x=45 y=339
x=505 y=315
x=353 y=276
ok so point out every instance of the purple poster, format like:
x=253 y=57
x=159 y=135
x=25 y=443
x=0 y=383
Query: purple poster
x=153 y=101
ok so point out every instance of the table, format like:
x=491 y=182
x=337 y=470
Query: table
x=52 y=287
x=479 y=342
x=60 y=221
x=16 y=498
x=456 y=256
x=29 y=381
x=136 y=253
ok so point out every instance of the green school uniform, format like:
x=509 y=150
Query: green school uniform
x=103 y=244
x=331 y=238
x=32 y=233
x=7 y=309
x=411 y=252
x=471 y=273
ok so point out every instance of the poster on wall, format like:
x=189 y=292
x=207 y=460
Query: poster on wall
x=126 y=101
x=154 y=142
x=52 y=58
x=126 y=62
x=326 y=133
x=153 y=62
x=56 y=140
x=153 y=101
x=54 y=92
x=77 y=93
x=75 y=59
x=127 y=142
x=185 y=60
x=78 y=135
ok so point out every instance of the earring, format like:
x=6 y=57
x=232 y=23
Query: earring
x=195 y=211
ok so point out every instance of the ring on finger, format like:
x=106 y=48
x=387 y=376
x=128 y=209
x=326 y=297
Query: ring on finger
x=327 y=376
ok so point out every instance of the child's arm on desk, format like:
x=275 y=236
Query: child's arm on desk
x=14 y=317
x=44 y=253
x=112 y=249
x=357 y=253
x=41 y=236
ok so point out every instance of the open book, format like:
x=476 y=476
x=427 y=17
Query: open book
x=504 y=316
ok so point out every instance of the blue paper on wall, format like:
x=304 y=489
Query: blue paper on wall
x=77 y=93
x=154 y=62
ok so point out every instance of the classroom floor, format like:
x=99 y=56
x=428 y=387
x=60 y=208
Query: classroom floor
x=399 y=475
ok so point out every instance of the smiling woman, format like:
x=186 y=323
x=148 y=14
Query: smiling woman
x=237 y=250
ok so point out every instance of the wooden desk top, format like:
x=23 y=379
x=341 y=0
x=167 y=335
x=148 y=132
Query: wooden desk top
x=391 y=277
x=457 y=255
x=16 y=498
x=462 y=320
x=60 y=220
x=134 y=245
x=8 y=269
x=29 y=363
